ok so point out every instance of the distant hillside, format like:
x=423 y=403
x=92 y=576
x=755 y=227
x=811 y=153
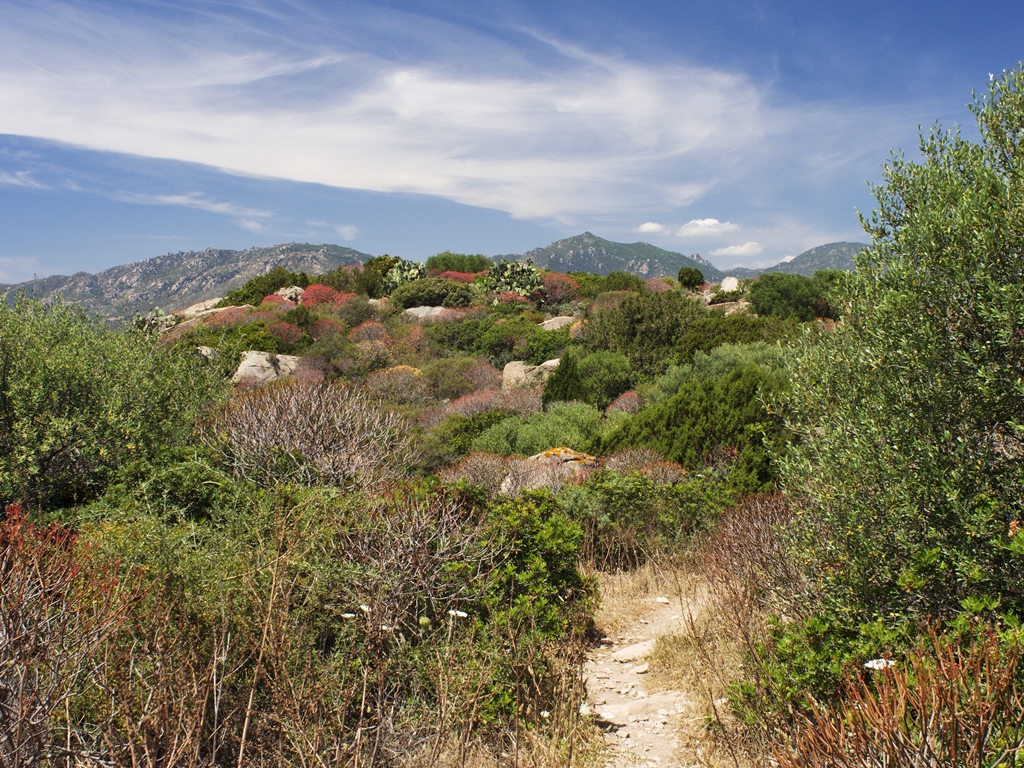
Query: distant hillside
x=176 y=280
x=828 y=256
x=590 y=253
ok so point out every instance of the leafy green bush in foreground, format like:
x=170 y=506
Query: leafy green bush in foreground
x=79 y=401
x=908 y=415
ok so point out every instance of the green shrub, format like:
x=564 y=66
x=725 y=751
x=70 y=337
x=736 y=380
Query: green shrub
x=908 y=414
x=370 y=280
x=655 y=330
x=715 y=364
x=78 y=401
x=453 y=438
x=447 y=261
x=596 y=378
x=630 y=518
x=565 y=384
x=264 y=285
x=783 y=295
x=573 y=425
x=690 y=278
x=624 y=281
x=433 y=292
x=707 y=416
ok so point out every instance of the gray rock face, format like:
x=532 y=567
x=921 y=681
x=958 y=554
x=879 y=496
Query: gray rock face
x=422 y=315
x=518 y=374
x=730 y=284
x=264 y=367
x=292 y=293
x=557 y=322
x=180 y=279
x=196 y=309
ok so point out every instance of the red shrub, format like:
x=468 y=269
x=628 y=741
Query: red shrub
x=287 y=332
x=340 y=299
x=280 y=302
x=475 y=402
x=483 y=376
x=560 y=288
x=324 y=328
x=458 y=277
x=627 y=401
x=656 y=285
x=371 y=330
x=453 y=314
x=511 y=297
x=412 y=338
x=317 y=294
x=227 y=317
x=523 y=400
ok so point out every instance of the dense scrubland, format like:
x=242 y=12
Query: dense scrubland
x=358 y=564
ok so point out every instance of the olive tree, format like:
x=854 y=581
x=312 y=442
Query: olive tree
x=909 y=414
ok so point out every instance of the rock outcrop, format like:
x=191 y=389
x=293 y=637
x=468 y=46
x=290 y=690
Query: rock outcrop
x=518 y=374
x=729 y=284
x=547 y=469
x=422 y=315
x=262 y=368
x=557 y=322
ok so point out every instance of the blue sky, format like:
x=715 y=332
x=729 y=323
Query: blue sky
x=741 y=130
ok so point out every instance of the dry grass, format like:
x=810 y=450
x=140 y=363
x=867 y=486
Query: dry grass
x=627 y=595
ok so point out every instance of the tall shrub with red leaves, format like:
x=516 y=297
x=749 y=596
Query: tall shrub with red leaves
x=55 y=610
x=317 y=294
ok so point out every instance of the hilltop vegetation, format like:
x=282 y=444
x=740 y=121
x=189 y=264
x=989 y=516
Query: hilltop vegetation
x=356 y=563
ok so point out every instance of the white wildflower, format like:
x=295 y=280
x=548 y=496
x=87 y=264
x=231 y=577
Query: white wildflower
x=877 y=664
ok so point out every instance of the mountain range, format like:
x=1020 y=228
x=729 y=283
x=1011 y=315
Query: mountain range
x=177 y=280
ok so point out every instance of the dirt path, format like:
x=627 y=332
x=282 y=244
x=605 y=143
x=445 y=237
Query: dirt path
x=640 y=728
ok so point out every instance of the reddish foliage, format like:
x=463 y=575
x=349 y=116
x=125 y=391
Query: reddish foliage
x=340 y=299
x=511 y=297
x=458 y=277
x=627 y=401
x=654 y=285
x=475 y=402
x=227 y=317
x=279 y=302
x=483 y=376
x=413 y=338
x=523 y=400
x=324 y=328
x=453 y=314
x=560 y=288
x=317 y=294
x=287 y=332
x=371 y=330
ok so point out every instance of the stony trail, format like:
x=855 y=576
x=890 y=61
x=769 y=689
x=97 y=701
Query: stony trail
x=640 y=728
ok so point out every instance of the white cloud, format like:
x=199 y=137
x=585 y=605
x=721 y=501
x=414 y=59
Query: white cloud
x=347 y=231
x=584 y=133
x=19 y=179
x=652 y=228
x=747 y=249
x=698 y=227
x=787 y=259
x=251 y=219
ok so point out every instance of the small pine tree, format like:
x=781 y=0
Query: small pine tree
x=565 y=383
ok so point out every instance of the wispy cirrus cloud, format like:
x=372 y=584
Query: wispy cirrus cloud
x=252 y=219
x=287 y=93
